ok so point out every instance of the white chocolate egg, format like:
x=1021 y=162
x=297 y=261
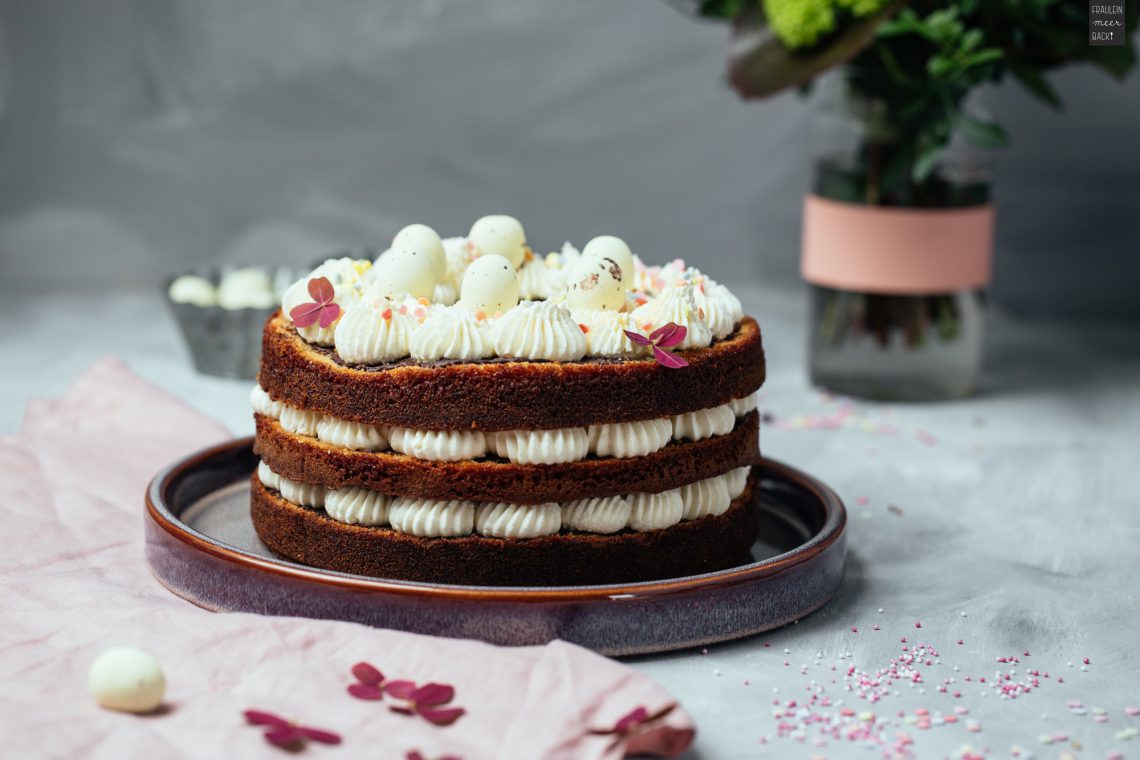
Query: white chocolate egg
x=127 y=679
x=608 y=246
x=595 y=283
x=490 y=285
x=420 y=237
x=499 y=234
x=403 y=272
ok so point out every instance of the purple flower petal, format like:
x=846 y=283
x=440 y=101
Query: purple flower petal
x=259 y=718
x=402 y=709
x=319 y=735
x=400 y=689
x=366 y=691
x=637 y=338
x=284 y=736
x=666 y=359
x=444 y=717
x=322 y=290
x=306 y=314
x=367 y=674
x=414 y=755
x=329 y=313
x=635 y=718
x=669 y=335
x=433 y=694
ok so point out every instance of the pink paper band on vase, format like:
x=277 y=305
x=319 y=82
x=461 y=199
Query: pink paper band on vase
x=873 y=249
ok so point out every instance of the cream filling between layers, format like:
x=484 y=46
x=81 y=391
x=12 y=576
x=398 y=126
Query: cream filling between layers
x=429 y=518
x=621 y=440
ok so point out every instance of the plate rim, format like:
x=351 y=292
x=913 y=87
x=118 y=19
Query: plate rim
x=832 y=530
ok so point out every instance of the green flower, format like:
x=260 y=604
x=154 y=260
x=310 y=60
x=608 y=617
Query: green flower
x=861 y=8
x=800 y=23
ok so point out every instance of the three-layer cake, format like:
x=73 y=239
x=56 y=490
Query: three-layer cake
x=416 y=420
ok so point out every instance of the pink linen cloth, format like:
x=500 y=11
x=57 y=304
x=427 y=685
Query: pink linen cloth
x=74 y=581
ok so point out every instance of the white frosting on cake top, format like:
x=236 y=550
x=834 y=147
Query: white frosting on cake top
x=603 y=291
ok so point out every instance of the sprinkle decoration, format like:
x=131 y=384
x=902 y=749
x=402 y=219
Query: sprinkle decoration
x=321 y=310
x=286 y=734
x=663 y=337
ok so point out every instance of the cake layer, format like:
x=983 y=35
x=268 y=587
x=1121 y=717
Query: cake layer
x=501 y=394
x=313 y=538
x=308 y=460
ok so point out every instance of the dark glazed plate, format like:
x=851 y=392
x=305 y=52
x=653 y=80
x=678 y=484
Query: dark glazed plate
x=201 y=545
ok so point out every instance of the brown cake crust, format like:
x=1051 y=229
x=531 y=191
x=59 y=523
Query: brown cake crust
x=504 y=394
x=313 y=538
x=308 y=460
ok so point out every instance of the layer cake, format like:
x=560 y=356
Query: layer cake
x=464 y=411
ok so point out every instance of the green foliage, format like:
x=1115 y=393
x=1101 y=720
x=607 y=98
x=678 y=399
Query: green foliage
x=918 y=66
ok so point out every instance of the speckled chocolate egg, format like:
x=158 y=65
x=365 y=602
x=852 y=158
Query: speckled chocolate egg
x=420 y=237
x=127 y=679
x=499 y=234
x=490 y=285
x=608 y=246
x=595 y=283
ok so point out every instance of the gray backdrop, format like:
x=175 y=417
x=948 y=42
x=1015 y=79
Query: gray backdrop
x=140 y=137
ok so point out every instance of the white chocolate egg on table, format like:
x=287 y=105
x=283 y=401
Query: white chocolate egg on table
x=499 y=234
x=420 y=237
x=608 y=246
x=127 y=679
x=595 y=283
x=403 y=272
x=490 y=285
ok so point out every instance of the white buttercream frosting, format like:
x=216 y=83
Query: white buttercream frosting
x=346 y=277
x=539 y=330
x=373 y=333
x=268 y=477
x=517 y=521
x=438 y=445
x=451 y=333
x=358 y=506
x=630 y=439
x=358 y=436
x=653 y=511
x=539 y=280
x=676 y=305
x=705 y=497
x=299 y=421
x=745 y=404
x=429 y=518
x=305 y=494
x=721 y=309
x=606 y=514
x=445 y=293
x=605 y=332
x=704 y=423
x=736 y=480
x=542 y=446
x=263 y=404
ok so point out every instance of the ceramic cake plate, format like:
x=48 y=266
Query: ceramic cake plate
x=201 y=545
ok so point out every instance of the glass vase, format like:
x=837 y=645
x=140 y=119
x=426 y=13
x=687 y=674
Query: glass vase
x=897 y=272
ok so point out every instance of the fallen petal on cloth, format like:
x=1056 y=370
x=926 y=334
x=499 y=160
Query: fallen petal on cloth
x=75 y=582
